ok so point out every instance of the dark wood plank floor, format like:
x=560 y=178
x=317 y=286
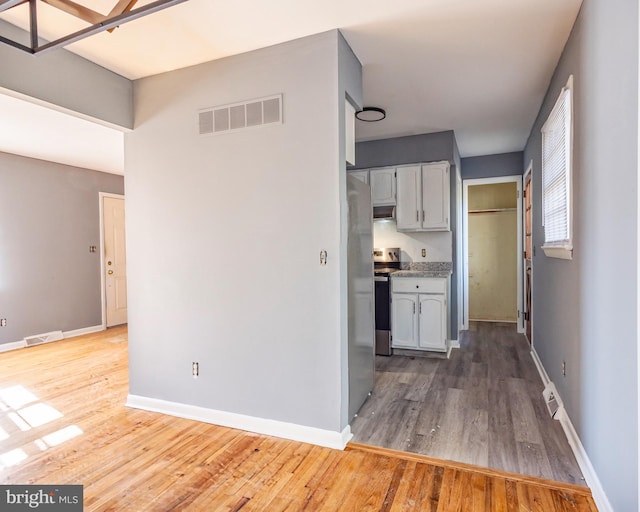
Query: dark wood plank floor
x=482 y=406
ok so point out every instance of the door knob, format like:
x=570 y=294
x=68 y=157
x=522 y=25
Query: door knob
x=110 y=272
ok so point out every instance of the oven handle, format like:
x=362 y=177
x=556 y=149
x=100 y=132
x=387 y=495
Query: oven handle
x=383 y=279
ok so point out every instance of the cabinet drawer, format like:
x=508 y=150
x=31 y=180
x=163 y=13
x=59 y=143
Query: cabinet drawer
x=419 y=285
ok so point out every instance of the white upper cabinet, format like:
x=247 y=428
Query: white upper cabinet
x=435 y=196
x=409 y=198
x=423 y=197
x=383 y=186
x=361 y=175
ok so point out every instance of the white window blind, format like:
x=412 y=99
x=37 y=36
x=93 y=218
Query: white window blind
x=556 y=173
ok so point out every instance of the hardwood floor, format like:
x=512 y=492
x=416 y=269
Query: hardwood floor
x=482 y=406
x=63 y=421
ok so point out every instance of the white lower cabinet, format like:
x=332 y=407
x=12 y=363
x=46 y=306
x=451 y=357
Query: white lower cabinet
x=432 y=329
x=404 y=320
x=418 y=319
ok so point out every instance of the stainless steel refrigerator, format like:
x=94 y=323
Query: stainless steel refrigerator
x=360 y=294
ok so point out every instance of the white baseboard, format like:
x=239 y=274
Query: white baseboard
x=584 y=462
x=312 y=435
x=579 y=452
x=84 y=330
x=543 y=373
x=454 y=344
x=6 y=347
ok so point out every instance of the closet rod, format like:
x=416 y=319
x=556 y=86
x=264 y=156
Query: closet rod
x=494 y=210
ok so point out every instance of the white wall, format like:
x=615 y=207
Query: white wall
x=224 y=235
x=437 y=244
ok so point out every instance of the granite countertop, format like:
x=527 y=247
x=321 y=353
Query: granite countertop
x=424 y=269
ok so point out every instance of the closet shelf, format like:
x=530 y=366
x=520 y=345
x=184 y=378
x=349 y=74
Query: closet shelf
x=494 y=210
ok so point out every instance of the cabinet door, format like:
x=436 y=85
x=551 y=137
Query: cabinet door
x=435 y=197
x=361 y=175
x=383 y=186
x=404 y=320
x=433 y=322
x=408 y=190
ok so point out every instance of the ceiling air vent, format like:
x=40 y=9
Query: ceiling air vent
x=237 y=116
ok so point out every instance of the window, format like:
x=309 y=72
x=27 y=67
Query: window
x=556 y=176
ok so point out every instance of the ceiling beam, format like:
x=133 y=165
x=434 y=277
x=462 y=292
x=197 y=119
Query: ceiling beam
x=77 y=10
x=108 y=23
x=121 y=7
x=8 y=4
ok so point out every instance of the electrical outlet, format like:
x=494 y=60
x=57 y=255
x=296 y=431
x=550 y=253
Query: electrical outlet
x=195 y=369
x=3 y=322
x=424 y=253
x=564 y=368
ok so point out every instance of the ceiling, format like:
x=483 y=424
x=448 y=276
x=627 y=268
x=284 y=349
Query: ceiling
x=478 y=67
x=39 y=131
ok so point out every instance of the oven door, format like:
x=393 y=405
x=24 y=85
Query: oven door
x=383 y=315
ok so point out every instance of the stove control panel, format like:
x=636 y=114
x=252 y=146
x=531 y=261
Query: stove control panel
x=386 y=255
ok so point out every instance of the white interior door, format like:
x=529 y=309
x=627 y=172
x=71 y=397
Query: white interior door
x=115 y=261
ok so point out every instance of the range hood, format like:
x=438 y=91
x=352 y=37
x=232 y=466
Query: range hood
x=384 y=212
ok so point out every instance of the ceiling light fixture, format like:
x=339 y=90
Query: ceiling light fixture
x=371 y=114
x=122 y=13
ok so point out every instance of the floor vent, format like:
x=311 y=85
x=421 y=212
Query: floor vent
x=238 y=116
x=551 y=400
x=39 y=339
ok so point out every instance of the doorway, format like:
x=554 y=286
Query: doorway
x=113 y=260
x=492 y=236
x=528 y=254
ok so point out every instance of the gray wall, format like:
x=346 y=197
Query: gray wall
x=224 y=234
x=490 y=166
x=49 y=216
x=67 y=80
x=585 y=310
x=429 y=147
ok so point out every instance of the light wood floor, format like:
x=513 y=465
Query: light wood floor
x=132 y=460
x=482 y=406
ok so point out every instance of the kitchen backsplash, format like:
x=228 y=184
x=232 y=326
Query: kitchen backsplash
x=427 y=266
x=437 y=244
